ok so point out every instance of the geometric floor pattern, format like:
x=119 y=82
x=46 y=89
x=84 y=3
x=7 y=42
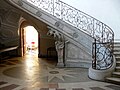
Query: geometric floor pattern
x=7 y=86
x=32 y=73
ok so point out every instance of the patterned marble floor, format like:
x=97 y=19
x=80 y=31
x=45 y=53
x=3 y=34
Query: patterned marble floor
x=32 y=73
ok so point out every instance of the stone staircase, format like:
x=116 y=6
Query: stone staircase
x=75 y=29
x=115 y=78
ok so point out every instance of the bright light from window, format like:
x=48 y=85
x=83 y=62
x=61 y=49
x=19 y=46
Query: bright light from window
x=31 y=36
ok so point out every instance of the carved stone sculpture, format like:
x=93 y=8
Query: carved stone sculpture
x=59 y=44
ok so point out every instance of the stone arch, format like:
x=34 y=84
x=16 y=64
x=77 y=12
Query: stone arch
x=0 y=21
x=22 y=24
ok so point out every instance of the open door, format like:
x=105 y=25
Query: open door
x=30 y=41
x=24 y=42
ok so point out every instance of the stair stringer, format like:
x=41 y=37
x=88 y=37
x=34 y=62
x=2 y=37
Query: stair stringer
x=102 y=74
x=78 y=50
x=75 y=54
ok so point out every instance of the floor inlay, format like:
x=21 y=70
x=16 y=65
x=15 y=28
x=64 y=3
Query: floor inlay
x=2 y=82
x=96 y=88
x=59 y=73
x=114 y=87
x=38 y=74
x=9 y=87
x=78 y=89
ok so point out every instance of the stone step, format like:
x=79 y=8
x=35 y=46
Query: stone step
x=114 y=80
x=117 y=57
x=116 y=45
x=117 y=42
x=116 y=53
x=116 y=49
x=117 y=68
x=116 y=74
x=117 y=63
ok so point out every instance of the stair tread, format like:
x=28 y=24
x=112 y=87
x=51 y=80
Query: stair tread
x=116 y=52
x=116 y=45
x=118 y=73
x=113 y=79
x=117 y=57
x=116 y=48
x=117 y=61
x=117 y=67
x=116 y=40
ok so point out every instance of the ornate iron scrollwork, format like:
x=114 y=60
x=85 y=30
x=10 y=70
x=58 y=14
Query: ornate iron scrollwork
x=102 y=54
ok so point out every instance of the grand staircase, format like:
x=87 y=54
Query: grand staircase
x=115 y=78
x=78 y=31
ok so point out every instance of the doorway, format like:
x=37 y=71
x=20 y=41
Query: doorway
x=30 y=41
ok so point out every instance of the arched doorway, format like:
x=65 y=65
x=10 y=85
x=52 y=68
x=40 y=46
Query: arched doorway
x=46 y=44
x=30 y=41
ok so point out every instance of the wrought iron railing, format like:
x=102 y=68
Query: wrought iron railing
x=102 y=55
x=103 y=35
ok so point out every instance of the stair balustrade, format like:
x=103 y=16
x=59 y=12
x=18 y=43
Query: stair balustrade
x=103 y=35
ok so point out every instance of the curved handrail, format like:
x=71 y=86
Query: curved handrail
x=103 y=34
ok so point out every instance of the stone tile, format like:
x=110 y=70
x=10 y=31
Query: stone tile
x=2 y=82
x=41 y=85
x=9 y=87
x=52 y=89
x=2 y=65
x=9 y=63
x=53 y=85
x=44 y=89
x=78 y=89
x=16 y=61
x=60 y=89
x=3 y=61
x=28 y=88
x=114 y=87
x=96 y=88
x=38 y=74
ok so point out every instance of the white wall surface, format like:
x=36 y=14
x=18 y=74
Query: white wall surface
x=107 y=11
